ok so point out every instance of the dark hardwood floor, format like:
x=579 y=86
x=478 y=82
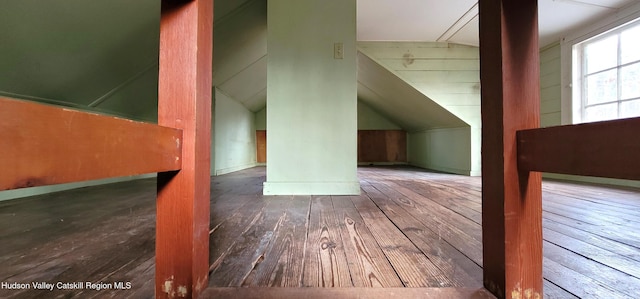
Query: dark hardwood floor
x=409 y=228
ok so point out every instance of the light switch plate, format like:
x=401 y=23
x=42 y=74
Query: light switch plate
x=338 y=51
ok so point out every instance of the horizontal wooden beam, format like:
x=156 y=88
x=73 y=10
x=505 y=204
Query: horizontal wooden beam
x=603 y=149
x=45 y=145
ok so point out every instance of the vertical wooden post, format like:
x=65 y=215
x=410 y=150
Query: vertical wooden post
x=511 y=200
x=184 y=102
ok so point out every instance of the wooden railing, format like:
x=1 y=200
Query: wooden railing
x=45 y=145
x=605 y=149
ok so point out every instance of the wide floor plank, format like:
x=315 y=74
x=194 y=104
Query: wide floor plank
x=326 y=261
x=368 y=265
x=413 y=268
x=284 y=267
x=249 y=249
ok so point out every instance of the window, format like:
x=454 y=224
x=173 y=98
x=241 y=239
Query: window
x=607 y=75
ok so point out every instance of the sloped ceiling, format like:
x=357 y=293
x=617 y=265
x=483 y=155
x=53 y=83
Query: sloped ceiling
x=398 y=100
x=83 y=54
x=240 y=54
x=225 y=7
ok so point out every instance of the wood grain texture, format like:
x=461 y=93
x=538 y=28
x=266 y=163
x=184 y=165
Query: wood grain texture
x=184 y=102
x=433 y=234
x=100 y=233
x=606 y=276
x=413 y=268
x=604 y=149
x=434 y=237
x=382 y=146
x=368 y=265
x=463 y=234
x=355 y=293
x=327 y=261
x=107 y=232
x=261 y=146
x=285 y=268
x=45 y=145
x=244 y=254
x=228 y=231
x=510 y=96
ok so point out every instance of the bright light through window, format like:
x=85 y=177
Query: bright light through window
x=609 y=76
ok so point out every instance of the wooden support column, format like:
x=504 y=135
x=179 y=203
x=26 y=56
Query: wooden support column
x=511 y=200
x=184 y=102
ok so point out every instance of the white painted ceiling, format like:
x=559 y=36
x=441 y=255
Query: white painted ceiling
x=457 y=20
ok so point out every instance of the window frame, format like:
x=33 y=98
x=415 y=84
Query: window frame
x=571 y=98
x=582 y=75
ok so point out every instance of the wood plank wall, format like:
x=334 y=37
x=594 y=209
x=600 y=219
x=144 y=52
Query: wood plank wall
x=382 y=146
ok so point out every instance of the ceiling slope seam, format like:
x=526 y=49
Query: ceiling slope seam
x=122 y=85
x=466 y=18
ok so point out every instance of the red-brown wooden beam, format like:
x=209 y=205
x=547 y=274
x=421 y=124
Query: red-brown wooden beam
x=184 y=102
x=511 y=200
x=45 y=145
x=605 y=149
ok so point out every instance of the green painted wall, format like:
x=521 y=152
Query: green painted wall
x=550 y=86
x=370 y=119
x=261 y=119
x=449 y=75
x=311 y=98
x=441 y=149
x=96 y=55
x=239 y=57
x=234 y=138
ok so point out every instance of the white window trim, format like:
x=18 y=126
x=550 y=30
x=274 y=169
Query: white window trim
x=570 y=62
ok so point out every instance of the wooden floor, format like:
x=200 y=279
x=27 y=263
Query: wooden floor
x=409 y=228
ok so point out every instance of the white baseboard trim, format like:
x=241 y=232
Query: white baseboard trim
x=234 y=169
x=381 y=163
x=466 y=172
